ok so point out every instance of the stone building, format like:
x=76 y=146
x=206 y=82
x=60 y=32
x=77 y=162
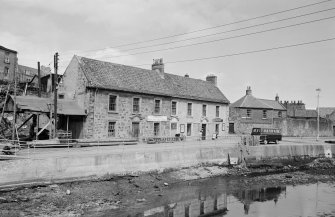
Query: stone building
x=8 y=62
x=127 y=102
x=249 y=112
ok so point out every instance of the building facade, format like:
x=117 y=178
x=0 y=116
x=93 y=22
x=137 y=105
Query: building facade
x=8 y=63
x=249 y=112
x=127 y=102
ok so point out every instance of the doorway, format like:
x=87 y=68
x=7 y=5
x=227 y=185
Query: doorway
x=231 y=128
x=203 y=129
x=136 y=129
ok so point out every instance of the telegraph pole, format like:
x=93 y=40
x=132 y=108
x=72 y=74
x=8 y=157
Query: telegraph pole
x=55 y=91
x=318 y=120
x=14 y=109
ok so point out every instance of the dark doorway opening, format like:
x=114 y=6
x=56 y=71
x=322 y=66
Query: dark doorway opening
x=203 y=129
x=231 y=128
x=136 y=129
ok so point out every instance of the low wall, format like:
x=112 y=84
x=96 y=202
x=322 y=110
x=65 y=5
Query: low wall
x=127 y=162
x=120 y=163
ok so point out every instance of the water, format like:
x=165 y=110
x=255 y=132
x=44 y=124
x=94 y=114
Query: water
x=220 y=197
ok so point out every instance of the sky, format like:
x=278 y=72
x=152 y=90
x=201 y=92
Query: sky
x=99 y=29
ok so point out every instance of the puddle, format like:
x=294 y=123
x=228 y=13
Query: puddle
x=214 y=198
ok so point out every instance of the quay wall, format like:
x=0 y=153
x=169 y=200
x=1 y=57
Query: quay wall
x=86 y=166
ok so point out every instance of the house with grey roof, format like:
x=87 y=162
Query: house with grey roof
x=124 y=102
x=249 y=112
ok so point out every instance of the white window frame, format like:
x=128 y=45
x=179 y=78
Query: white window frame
x=172 y=107
x=189 y=115
x=116 y=102
x=139 y=105
x=160 y=106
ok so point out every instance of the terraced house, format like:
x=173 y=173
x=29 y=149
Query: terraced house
x=128 y=102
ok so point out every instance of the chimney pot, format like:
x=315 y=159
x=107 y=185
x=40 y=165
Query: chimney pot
x=186 y=76
x=248 y=91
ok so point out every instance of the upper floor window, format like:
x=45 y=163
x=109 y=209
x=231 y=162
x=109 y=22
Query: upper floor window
x=7 y=57
x=265 y=114
x=174 y=108
x=189 y=109
x=204 y=110
x=217 y=111
x=280 y=114
x=248 y=113
x=157 y=106
x=112 y=102
x=136 y=105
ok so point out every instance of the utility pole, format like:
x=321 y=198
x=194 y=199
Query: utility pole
x=55 y=91
x=14 y=109
x=318 y=120
x=39 y=95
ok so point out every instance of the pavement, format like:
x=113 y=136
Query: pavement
x=227 y=141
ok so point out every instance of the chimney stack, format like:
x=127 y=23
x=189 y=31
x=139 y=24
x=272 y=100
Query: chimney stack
x=158 y=66
x=248 y=91
x=277 y=98
x=186 y=76
x=212 y=79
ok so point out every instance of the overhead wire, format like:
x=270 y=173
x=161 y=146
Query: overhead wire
x=208 y=28
x=247 y=52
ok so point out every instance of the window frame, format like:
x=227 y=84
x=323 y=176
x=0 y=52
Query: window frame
x=175 y=124
x=109 y=102
x=139 y=105
x=160 y=106
x=189 y=110
x=248 y=114
x=111 y=133
x=280 y=114
x=6 y=71
x=175 y=109
x=265 y=114
x=204 y=112
x=217 y=111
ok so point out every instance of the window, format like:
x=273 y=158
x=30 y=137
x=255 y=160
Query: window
x=189 y=109
x=7 y=57
x=217 y=128
x=111 y=129
x=156 y=129
x=173 y=126
x=217 y=111
x=248 y=113
x=187 y=210
x=136 y=105
x=204 y=110
x=61 y=96
x=157 y=106
x=174 y=108
x=202 y=207
x=264 y=114
x=279 y=114
x=189 y=129
x=6 y=71
x=112 y=103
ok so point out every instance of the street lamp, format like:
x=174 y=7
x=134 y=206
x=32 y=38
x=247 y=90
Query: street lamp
x=318 y=121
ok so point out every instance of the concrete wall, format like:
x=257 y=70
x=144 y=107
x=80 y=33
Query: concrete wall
x=303 y=127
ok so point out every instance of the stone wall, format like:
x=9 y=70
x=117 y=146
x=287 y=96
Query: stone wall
x=10 y=65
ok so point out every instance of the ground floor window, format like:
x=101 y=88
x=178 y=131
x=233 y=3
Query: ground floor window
x=189 y=129
x=156 y=129
x=111 y=129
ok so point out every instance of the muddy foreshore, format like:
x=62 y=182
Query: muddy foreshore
x=87 y=198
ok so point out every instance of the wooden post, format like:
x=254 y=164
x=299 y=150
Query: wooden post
x=67 y=130
x=55 y=92
x=14 y=115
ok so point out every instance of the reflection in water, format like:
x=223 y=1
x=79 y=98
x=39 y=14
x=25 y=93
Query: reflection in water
x=202 y=206
x=258 y=194
x=210 y=198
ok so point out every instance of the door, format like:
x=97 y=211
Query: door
x=136 y=129
x=231 y=128
x=203 y=129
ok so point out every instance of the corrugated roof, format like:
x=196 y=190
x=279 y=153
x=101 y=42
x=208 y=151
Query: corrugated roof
x=127 y=78
x=249 y=101
x=36 y=104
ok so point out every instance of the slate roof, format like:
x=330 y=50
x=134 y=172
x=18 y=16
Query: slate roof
x=36 y=104
x=249 y=101
x=7 y=49
x=324 y=111
x=107 y=75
